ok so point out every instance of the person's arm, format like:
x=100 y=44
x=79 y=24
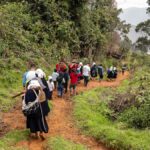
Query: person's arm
x=24 y=79
x=89 y=71
x=48 y=85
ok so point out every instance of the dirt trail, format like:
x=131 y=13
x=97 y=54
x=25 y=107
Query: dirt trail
x=60 y=119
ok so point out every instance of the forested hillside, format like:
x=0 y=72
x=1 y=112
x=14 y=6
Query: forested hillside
x=50 y=28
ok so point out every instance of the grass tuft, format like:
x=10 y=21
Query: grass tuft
x=59 y=143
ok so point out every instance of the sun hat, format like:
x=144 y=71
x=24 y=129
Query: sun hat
x=40 y=73
x=49 y=77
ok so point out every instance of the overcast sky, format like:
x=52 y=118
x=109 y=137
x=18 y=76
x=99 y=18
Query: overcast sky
x=131 y=3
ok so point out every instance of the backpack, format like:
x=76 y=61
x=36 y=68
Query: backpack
x=60 y=79
x=94 y=72
x=31 y=108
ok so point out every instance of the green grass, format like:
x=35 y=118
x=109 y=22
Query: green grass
x=10 y=84
x=11 y=80
x=59 y=143
x=91 y=111
x=9 y=141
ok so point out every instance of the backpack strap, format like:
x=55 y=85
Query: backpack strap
x=25 y=106
x=37 y=97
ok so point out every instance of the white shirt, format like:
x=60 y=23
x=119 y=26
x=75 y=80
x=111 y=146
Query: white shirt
x=50 y=85
x=54 y=76
x=86 y=70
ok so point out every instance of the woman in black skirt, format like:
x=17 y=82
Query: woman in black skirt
x=37 y=122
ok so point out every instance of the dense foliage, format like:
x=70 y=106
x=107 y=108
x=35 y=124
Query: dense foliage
x=137 y=114
x=53 y=29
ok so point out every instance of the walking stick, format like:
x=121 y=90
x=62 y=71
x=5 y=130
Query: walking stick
x=18 y=94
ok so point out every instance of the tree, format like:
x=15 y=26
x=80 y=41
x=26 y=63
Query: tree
x=143 y=43
x=83 y=28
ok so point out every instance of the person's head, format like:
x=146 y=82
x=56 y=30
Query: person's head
x=100 y=64
x=115 y=68
x=94 y=63
x=50 y=78
x=32 y=66
x=81 y=64
x=88 y=64
x=111 y=68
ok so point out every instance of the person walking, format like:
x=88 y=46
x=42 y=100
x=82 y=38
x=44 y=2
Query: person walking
x=86 y=74
x=66 y=80
x=100 y=72
x=73 y=82
x=110 y=73
x=32 y=109
x=55 y=74
x=50 y=86
x=60 y=87
x=124 y=68
x=80 y=72
x=115 y=72
x=94 y=71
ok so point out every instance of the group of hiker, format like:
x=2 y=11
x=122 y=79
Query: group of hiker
x=38 y=90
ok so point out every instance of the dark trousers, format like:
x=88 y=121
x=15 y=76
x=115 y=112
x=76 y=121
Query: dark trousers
x=51 y=94
x=86 y=80
x=66 y=86
x=60 y=89
x=100 y=76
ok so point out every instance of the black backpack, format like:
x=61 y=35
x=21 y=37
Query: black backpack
x=60 y=78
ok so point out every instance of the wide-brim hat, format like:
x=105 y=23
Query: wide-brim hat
x=49 y=77
x=40 y=73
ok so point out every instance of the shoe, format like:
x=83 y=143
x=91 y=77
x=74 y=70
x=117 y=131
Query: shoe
x=42 y=137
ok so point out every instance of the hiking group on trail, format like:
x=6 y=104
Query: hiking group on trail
x=37 y=91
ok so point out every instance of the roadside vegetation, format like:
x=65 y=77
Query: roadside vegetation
x=119 y=117
x=57 y=143
x=9 y=141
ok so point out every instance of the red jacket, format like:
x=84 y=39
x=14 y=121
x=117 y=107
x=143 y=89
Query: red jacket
x=73 y=78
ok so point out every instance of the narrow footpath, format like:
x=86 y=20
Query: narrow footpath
x=60 y=120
